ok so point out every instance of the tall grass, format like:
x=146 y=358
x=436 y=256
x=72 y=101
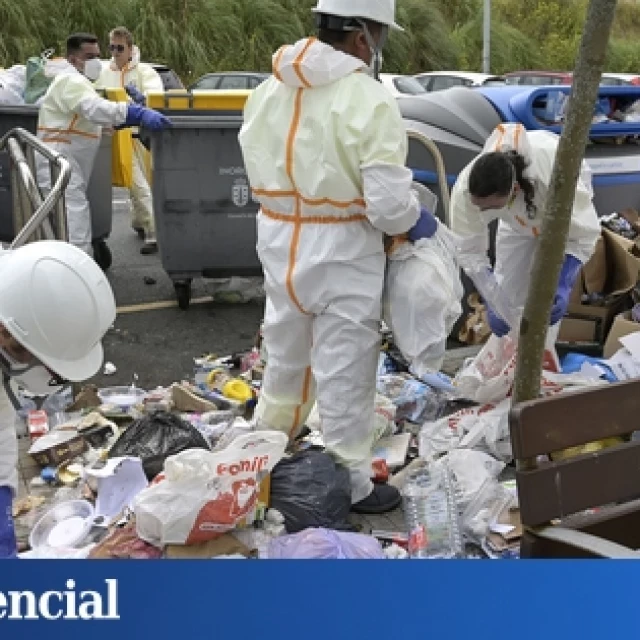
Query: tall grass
x=198 y=36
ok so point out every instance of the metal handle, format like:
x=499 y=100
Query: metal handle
x=432 y=147
x=21 y=147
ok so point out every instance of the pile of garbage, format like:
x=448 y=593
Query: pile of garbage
x=184 y=472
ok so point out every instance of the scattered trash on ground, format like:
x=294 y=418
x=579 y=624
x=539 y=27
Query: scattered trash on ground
x=183 y=471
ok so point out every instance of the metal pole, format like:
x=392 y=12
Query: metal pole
x=486 y=38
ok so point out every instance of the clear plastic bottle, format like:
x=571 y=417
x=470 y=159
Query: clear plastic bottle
x=431 y=513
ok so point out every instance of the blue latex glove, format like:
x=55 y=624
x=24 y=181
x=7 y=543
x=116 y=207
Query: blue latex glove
x=137 y=115
x=498 y=326
x=568 y=275
x=8 y=546
x=135 y=95
x=426 y=226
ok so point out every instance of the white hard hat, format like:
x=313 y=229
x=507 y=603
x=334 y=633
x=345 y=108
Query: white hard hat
x=57 y=303
x=381 y=11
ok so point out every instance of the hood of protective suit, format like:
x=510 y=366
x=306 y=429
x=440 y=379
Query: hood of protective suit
x=134 y=62
x=510 y=137
x=58 y=66
x=311 y=63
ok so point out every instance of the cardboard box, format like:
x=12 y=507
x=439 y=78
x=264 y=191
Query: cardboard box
x=622 y=326
x=613 y=271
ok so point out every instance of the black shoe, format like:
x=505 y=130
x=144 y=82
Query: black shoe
x=382 y=499
x=140 y=232
x=150 y=248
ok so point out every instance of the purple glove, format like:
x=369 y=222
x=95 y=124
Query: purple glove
x=8 y=546
x=426 y=226
x=135 y=95
x=497 y=325
x=137 y=115
x=568 y=275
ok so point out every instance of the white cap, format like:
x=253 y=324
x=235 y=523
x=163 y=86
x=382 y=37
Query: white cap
x=380 y=11
x=57 y=303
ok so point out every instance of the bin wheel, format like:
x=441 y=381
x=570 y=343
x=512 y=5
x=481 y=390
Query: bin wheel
x=102 y=254
x=183 y=293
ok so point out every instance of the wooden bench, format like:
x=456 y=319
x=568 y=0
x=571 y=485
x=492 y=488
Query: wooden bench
x=607 y=480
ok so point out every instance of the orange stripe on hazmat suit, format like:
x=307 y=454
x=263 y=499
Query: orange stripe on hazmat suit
x=325 y=147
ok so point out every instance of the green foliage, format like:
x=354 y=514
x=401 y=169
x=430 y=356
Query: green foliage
x=199 y=36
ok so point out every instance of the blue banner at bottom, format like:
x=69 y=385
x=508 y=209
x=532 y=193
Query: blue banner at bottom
x=319 y=599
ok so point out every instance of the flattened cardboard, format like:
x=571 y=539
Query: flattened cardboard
x=622 y=326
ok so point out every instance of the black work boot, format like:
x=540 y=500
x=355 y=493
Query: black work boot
x=382 y=499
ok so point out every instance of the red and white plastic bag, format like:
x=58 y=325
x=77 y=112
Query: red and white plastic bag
x=202 y=494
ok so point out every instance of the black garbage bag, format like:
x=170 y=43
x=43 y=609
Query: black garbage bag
x=310 y=490
x=156 y=437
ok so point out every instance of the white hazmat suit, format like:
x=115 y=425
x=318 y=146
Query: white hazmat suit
x=517 y=232
x=324 y=146
x=145 y=79
x=71 y=118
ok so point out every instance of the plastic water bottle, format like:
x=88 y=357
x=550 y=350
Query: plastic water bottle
x=431 y=513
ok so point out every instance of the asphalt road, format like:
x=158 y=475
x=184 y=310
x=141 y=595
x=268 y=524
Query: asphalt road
x=159 y=344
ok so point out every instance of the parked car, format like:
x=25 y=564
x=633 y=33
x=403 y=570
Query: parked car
x=401 y=85
x=169 y=77
x=439 y=80
x=609 y=79
x=228 y=80
x=541 y=78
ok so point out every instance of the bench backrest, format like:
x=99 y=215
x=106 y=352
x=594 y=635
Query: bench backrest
x=552 y=490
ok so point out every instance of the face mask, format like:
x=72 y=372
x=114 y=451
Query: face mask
x=92 y=69
x=35 y=378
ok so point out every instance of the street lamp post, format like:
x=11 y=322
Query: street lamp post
x=486 y=38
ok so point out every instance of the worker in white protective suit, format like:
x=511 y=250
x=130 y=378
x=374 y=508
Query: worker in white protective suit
x=12 y=83
x=126 y=71
x=55 y=307
x=324 y=146
x=70 y=121
x=509 y=180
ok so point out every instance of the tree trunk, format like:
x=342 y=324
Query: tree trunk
x=558 y=208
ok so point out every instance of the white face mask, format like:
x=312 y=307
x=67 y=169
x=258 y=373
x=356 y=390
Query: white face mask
x=92 y=69
x=35 y=378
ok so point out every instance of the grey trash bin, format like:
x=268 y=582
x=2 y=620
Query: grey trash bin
x=98 y=193
x=204 y=211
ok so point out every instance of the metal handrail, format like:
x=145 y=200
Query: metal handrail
x=432 y=147
x=30 y=210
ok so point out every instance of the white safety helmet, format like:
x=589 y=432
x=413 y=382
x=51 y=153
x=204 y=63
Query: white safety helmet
x=380 y=11
x=57 y=303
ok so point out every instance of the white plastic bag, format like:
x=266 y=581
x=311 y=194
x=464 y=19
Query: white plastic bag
x=202 y=494
x=484 y=428
x=470 y=470
x=489 y=377
x=421 y=301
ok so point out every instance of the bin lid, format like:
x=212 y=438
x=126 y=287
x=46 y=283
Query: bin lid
x=460 y=110
x=521 y=104
x=231 y=100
